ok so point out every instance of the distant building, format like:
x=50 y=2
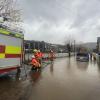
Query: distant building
x=98 y=44
x=31 y=44
x=43 y=46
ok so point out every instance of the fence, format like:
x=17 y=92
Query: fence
x=58 y=55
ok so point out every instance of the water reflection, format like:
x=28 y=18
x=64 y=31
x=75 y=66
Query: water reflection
x=5 y=79
x=98 y=64
x=51 y=67
x=82 y=65
x=68 y=63
x=35 y=75
x=91 y=61
x=94 y=62
x=17 y=77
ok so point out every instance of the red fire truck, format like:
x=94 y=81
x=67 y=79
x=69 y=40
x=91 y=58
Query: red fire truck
x=11 y=50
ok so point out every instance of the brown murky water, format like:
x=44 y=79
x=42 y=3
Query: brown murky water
x=64 y=79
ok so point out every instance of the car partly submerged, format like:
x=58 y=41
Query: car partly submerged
x=82 y=57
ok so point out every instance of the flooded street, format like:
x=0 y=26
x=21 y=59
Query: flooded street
x=49 y=50
x=64 y=79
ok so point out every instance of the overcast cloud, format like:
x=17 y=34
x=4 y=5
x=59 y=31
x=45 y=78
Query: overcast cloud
x=55 y=20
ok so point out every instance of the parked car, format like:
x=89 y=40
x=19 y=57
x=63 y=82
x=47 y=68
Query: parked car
x=82 y=57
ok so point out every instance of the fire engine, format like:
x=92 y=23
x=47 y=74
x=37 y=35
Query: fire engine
x=11 y=50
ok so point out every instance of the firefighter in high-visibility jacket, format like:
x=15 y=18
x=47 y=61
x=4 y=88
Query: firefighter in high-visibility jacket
x=51 y=55
x=40 y=55
x=36 y=55
x=35 y=63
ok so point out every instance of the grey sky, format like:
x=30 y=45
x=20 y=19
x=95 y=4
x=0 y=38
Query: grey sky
x=55 y=20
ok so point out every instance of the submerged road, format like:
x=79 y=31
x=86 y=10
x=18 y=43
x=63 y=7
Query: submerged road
x=64 y=79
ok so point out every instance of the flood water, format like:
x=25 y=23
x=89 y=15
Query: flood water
x=63 y=79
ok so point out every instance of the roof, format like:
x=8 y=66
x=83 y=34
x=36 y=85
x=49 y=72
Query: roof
x=11 y=33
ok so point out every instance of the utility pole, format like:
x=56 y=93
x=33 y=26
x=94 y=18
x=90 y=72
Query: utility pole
x=69 y=49
x=74 y=48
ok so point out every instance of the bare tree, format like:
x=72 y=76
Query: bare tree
x=9 y=11
x=70 y=43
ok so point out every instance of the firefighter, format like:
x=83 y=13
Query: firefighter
x=40 y=55
x=35 y=53
x=51 y=55
x=35 y=63
x=35 y=50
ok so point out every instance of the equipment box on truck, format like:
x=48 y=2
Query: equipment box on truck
x=11 y=50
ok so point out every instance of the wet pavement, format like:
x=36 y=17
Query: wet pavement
x=64 y=79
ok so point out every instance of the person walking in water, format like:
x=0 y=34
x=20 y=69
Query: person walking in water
x=40 y=55
x=51 y=55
